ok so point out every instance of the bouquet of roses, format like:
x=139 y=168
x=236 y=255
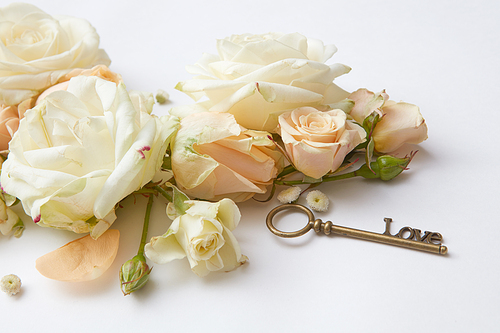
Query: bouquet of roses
x=77 y=142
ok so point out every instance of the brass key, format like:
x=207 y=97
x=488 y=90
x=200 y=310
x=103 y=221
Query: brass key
x=406 y=237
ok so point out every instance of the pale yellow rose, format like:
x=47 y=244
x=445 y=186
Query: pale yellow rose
x=214 y=157
x=10 y=115
x=400 y=122
x=258 y=77
x=101 y=71
x=80 y=151
x=204 y=235
x=318 y=141
x=38 y=49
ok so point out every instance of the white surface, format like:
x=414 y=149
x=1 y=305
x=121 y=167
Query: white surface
x=440 y=55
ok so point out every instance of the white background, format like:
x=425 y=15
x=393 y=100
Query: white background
x=440 y=55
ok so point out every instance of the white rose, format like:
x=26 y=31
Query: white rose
x=258 y=77
x=38 y=49
x=80 y=151
x=203 y=235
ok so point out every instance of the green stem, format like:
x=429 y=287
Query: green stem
x=286 y=171
x=145 y=191
x=146 y=226
x=163 y=192
x=325 y=179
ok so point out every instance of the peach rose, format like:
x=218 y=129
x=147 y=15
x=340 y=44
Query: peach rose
x=316 y=141
x=9 y=121
x=213 y=157
x=400 y=122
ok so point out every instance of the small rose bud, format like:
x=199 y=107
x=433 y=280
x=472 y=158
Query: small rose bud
x=10 y=284
x=386 y=167
x=134 y=274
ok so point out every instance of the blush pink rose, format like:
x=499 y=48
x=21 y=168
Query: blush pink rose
x=213 y=158
x=318 y=141
x=9 y=121
x=400 y=122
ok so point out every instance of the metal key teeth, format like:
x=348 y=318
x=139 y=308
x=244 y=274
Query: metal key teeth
x=325 y=227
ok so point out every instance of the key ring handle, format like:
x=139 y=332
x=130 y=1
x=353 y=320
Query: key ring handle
x=287 y=234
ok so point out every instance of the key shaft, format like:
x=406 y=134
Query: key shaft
x=330 y=228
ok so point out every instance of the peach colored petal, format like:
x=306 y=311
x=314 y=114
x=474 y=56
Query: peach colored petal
x=402 y=123
x=83 y=259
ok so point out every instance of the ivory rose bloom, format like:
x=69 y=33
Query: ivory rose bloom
x=204 y=235
x=10 y=115
x=316 y=141
x=101 y=71
x=214 y=157
x=400 y=122
x=258 y=77
x=80 y=151
x=38 y=49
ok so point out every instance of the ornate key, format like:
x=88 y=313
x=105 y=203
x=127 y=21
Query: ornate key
x=406 y=237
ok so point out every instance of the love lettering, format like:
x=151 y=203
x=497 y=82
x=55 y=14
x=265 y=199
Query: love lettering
x=414 y=234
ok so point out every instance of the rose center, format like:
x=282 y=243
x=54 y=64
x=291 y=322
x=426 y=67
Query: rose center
x=27 y=37
x=203 y=248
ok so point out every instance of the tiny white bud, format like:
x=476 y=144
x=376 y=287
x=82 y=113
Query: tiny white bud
x=10 y=284
x=318 y=201
x=162 y=96
x=289 y=195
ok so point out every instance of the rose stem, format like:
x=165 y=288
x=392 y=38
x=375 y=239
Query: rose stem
x=146 y=226
x=325 y=179
x=163 y=192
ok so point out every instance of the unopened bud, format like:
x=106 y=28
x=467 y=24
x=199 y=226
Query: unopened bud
x=386 y=167
x=134 y=274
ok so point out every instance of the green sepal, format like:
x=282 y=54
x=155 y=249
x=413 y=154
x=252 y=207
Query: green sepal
x=178 y=200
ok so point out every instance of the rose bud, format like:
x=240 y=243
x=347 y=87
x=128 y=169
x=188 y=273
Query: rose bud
x=386 y=167
x=134 y=274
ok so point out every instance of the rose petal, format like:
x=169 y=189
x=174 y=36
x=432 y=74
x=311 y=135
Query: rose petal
x=83 y=259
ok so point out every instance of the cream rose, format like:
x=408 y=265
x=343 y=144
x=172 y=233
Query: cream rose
x=80 y=151
x=258 y=77
x=316 y=141
x=10 y=115
x=101 y=71
x=214 y=157
x=38 y=49
x=400 y=122
x=204 y=235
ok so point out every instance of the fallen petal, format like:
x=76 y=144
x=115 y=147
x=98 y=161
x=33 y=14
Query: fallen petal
x=83 y=259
